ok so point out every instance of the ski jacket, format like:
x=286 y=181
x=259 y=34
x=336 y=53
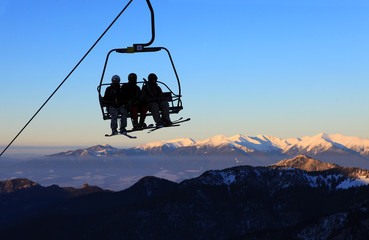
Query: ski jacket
x=151 y=92
x=131 y=93
x=113 y=96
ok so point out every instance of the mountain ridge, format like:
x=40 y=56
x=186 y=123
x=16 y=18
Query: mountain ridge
x=13 y=185
x=314 y=145
x=271 y=143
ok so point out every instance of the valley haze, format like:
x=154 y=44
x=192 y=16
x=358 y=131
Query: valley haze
x=116 y=169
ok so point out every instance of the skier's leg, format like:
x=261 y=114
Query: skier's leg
x=123 y=119
x=114 y=117
x=134 y=116
x=143 y=111
x=165 y=112
x=154 y=107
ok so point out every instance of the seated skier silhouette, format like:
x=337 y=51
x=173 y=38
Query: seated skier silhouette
x=158 y=105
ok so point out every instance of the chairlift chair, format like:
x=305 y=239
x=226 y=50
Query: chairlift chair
x=174 y=99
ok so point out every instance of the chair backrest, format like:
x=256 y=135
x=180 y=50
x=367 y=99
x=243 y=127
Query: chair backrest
x=174 y=106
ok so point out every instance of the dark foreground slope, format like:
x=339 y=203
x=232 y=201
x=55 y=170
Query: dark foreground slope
x=21 y=199
x=276 y=202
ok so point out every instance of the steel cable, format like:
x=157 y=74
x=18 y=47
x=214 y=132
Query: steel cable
x=106 y=30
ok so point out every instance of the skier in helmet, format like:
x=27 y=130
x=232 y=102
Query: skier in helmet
x=158 y=106
x=114 y=100
x=132 y=92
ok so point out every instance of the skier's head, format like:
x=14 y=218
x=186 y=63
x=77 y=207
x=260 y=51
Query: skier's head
x=132 y=78
x=152 y=78
x=115 y=79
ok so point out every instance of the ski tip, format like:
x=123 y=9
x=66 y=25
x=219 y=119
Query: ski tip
x=127 y=135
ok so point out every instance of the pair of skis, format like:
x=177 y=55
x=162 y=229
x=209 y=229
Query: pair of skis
x=124 y=134
x=151 y=128
x=174 y=124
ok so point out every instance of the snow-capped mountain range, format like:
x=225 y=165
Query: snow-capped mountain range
x=243 y=144
x=240 y=149
x=291 y=146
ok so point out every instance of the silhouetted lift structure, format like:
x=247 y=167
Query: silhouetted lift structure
x=173 y=98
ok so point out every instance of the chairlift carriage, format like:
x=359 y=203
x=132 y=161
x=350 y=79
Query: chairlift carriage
x=173 y=98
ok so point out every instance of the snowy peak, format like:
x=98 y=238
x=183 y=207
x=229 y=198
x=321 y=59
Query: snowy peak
x=324 y=142
x=176 y=143
x=356 y=144
x=260 y=142
x=346 y=140
x=101 y=148
x=218 y=140
x=309 y=145
x=94 y=151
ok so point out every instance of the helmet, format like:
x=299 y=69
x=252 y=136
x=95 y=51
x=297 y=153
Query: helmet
x=132 y=78
x=152 y=77
x=115 y=79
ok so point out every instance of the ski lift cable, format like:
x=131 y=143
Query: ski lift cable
x=106 y=30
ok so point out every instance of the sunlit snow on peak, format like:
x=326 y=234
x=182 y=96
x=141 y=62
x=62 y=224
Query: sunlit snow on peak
x=314 y=144
x=175 y=143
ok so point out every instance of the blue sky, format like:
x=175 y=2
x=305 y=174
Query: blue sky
x=281 y=68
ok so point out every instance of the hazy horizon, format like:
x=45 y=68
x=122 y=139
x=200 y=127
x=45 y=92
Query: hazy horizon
x=30 y=151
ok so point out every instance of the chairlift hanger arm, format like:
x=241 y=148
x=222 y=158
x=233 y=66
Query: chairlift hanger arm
x=152 y=25
x=139 y=46
x=175 y=71
x=136 y=47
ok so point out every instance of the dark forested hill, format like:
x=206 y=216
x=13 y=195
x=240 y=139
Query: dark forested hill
x=276 y=202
